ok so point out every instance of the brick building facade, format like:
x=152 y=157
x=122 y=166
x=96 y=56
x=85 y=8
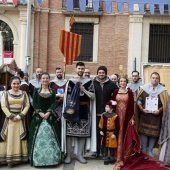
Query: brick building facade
x=112 y=41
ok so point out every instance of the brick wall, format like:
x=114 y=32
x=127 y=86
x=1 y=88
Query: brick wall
x=113 y=40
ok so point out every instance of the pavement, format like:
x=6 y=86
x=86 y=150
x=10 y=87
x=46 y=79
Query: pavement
x=92 y=164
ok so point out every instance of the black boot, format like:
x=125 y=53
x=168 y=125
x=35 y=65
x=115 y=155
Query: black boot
x=107 y=161
x=112 y=160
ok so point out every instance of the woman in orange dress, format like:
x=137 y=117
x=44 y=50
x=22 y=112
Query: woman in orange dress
x=128 y=139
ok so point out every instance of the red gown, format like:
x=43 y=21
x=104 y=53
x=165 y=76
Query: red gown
x=128 y=150
x=128 y=139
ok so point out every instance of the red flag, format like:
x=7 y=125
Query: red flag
x=15 y=2
x=70 y=44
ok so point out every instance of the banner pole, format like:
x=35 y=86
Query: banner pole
x=64 y=67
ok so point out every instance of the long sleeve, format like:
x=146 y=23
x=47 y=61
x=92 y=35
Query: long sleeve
x=101 y=122
x=5 y=107
x=113 y=97
x=117 y=126
x=26 y=106
x=90 y=91
x=35 y=101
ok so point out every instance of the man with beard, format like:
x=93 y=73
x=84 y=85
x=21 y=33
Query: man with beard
x=136 y=83
x=35 y=83
x=114 y=78
x=59 y=84
x=135 y=87
x=80 y=133
x=26 y=77
x=87 y=73
x=104 y=88
x=150 y=119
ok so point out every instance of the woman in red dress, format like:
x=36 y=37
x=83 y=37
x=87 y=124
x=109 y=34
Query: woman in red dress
x=128 y=139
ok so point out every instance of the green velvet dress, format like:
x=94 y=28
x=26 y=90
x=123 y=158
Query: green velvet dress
x=44 y=138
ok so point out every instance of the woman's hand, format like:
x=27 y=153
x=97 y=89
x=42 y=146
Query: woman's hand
x=46 y=115
x=132 y=122
x=41 y=114
x=15 y=119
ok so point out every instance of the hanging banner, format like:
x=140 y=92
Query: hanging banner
x=108 y=4
x=39 y=2
x=70 y=44
x=24 y=1
x=15 y=2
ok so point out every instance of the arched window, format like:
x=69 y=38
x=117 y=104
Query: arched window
x=8 y=37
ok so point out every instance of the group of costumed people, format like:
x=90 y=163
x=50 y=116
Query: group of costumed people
x=134 y=151
x=41 y=143
x=82 y=115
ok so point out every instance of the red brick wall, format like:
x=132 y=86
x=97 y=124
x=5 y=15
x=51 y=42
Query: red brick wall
x=113 y=40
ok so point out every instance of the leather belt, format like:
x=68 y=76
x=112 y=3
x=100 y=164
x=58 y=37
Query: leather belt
x=83 y=103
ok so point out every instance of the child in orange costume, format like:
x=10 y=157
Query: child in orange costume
x=109 y=125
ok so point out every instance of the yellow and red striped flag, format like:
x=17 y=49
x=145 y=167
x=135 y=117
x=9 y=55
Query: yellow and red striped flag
x=70 y=44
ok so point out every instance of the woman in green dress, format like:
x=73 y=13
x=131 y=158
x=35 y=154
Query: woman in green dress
x=44 y=139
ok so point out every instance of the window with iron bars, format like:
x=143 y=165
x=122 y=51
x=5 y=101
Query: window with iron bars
x=86 y=30
x=159 y=43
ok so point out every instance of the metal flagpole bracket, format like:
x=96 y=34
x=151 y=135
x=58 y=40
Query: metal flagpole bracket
x=28 y=60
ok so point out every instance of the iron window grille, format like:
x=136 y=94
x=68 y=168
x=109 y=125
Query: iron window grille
x=86 y=30
x=159 y=43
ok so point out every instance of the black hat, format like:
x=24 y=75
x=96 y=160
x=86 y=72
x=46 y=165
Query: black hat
x=102 y=68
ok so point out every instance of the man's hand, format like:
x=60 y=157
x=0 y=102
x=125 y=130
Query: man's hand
x=145 y=111
x=156 y=112
x=61 y=95
x=113 y=136
x=81 y=87
x=101 y=133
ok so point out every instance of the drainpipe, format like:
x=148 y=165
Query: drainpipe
x=28 y=35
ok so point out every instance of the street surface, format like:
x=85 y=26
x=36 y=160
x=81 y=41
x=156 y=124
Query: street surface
x=93 y=164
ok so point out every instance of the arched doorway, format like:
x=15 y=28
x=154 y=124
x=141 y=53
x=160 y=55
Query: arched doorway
x=7 y=38
x=7 y=51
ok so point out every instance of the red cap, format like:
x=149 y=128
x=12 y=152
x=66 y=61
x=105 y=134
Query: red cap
x=111 y=103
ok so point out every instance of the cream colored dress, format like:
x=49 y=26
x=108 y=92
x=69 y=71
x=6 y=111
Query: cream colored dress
x=14 y=148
